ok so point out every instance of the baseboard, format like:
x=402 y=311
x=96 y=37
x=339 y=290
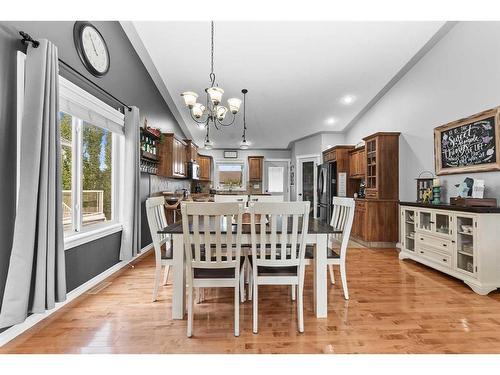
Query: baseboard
x=14 y=331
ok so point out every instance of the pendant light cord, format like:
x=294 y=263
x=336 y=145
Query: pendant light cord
x=244 y=117
x=212 y=74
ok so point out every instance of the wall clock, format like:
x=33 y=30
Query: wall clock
x=91 y=48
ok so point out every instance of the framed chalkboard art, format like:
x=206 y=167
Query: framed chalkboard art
x=468 y=145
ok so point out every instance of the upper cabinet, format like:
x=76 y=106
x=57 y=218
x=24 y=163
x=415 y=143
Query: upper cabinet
x=205 y=163
x=255 y=168
x=382 y=165
x=357 y=163
x=173 y=157
x=191 y=151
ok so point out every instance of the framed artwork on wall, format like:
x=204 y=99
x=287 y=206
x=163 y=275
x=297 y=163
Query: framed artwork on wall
x=468 y=145
x=232 y=154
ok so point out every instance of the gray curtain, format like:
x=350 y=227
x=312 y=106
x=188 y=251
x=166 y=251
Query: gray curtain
x=36 y=277
x=131 y=208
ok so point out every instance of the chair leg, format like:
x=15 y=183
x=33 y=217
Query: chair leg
x=332 y=276
x=344 y=280
x=294 y=292
x=165 y=275
x=242 y=284
x=190 y=311
x=157 y=281
x=300 y=308
x=255 y=298
x=237 y=308
x=250 y=285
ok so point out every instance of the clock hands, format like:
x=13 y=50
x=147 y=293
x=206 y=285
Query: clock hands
x=93 y=45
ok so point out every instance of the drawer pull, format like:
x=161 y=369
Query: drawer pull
x=445 y=260
x=421 y=238
x=421 y=252
x=445 y=245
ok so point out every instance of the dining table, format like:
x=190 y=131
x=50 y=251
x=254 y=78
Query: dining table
x=317 y=235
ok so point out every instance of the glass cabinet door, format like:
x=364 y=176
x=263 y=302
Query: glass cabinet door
x=408 y=223
x=466 y=254
x=442 y=224
x=425 y=221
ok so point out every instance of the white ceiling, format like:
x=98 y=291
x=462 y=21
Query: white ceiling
x=296 y=72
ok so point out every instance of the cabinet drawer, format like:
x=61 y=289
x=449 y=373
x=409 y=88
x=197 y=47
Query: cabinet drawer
x=371 y=194
x=435 y=243
x=435 y=256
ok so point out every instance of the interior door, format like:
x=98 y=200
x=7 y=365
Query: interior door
x=276 y=181
x=308 y=175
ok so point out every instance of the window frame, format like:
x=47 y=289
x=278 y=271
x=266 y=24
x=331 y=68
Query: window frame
x=226 y=162
x=107 y=118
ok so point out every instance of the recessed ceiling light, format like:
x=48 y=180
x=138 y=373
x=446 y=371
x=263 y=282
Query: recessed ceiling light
x=348 y=99
x=331 y=120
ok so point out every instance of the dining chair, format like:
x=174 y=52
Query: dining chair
x=266 y=198
x=155 y=212
x=221 y=198
x=212 y=260
x=278 y=259
x=342 y=218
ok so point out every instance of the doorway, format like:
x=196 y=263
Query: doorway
x=306 y=180
x=276 y=180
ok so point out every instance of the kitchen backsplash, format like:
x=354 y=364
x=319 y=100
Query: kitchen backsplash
x=158 y=184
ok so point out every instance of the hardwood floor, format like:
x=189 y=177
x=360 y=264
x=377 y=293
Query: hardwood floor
x=395 y=307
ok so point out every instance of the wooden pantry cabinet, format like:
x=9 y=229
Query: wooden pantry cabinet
x=459 y=241
x=173 y=157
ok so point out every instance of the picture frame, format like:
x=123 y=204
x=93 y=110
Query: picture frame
x=230 y=154
x=468 y=145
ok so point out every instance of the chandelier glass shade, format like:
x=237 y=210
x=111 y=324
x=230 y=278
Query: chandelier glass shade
x=212 y=112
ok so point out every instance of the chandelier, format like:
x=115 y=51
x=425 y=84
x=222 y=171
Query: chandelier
x=213 y=112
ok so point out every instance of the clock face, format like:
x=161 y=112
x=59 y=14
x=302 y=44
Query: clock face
x=92 y=48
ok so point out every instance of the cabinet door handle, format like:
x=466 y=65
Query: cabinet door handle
x=421 y=252
x=421 y=238
x=445 y=245
x=445 y=260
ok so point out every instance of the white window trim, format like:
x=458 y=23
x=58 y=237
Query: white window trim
x=238 y=162
x=110 y=119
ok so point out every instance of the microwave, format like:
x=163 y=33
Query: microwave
x=193 y=171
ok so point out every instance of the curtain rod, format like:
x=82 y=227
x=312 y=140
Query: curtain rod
x=28 y=39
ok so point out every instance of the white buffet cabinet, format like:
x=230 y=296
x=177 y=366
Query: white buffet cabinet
x=462 y=242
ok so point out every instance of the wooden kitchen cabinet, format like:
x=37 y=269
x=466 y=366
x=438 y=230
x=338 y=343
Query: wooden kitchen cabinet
x=255 y=168
x=382 y=166
x=205 y=163
x=357 y=163
x=191 y=151
x=173 y=157
x=375 y=222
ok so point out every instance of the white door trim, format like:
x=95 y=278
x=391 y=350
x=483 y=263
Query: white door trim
x=299 y=159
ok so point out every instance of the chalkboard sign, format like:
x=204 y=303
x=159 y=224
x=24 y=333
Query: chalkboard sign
x=468 y=145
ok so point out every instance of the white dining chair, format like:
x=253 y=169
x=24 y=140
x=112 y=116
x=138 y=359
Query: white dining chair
x=342 y=218
x=223 y=198
x=212 y=260
x=266 y=198
x=155 y=212
x=278 y=259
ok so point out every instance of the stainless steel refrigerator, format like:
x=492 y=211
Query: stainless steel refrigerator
x=326 y=190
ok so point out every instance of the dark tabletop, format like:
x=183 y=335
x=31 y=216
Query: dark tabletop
x=444 y=206
x=315 y=227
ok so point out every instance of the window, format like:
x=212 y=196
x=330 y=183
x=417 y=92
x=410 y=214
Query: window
x=230 y=176
x=88 y=160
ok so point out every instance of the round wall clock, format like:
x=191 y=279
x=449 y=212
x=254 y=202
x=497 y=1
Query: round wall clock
x=91 y=48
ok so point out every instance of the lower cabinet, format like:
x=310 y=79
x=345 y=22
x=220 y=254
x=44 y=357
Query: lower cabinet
x=375 y=222
x=461 y=244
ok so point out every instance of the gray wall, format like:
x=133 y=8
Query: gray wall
x=460 y=76
x=127 y=79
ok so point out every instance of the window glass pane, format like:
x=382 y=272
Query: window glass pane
x=96 y=175
x=275 y=176
x=230 y=175
x=66 y=166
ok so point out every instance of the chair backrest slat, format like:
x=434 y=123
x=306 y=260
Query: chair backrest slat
x=219 y=247
x=291 y=244
x=342 y=219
